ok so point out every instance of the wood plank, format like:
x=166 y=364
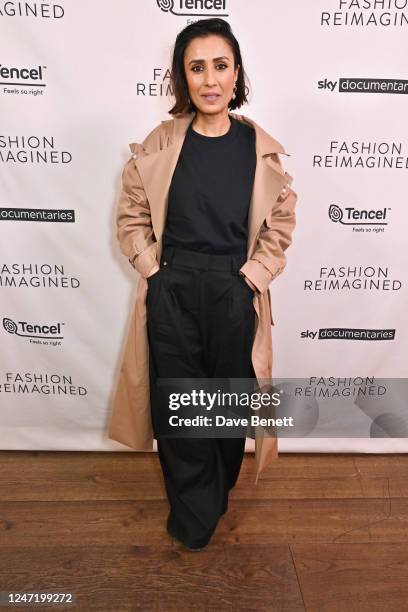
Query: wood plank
x=42 y=475
x=142 y=523
x=48 y=475
x=122 y=578
x=353 y=577
x=382 y=465
x=348 y=487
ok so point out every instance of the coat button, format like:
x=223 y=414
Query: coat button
x=284 y=192
x=164 y=263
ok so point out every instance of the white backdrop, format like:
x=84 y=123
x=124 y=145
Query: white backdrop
x=80 y=81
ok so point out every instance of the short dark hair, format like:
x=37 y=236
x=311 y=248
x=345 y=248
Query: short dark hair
x=203 y=27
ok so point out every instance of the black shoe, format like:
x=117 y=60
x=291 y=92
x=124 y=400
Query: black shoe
x=191 y=549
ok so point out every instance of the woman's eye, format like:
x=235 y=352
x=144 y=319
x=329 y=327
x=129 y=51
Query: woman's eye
x=218 y=65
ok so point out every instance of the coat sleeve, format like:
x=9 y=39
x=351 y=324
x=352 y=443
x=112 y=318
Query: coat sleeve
x=133 y=218
x=269 y=259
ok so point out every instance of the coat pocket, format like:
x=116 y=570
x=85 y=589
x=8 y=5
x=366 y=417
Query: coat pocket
x=144 y=261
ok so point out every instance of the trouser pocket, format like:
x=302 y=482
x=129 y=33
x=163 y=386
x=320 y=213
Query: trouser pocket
x=154 y=291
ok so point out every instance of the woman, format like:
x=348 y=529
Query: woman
x=205 y=219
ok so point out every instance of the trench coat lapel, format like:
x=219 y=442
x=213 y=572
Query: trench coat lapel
x=157 y=167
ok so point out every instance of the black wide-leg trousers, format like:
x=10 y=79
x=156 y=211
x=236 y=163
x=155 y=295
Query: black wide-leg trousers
x=201 y=324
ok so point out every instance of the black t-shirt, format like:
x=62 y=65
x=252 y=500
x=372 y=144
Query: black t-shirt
x=210 y=191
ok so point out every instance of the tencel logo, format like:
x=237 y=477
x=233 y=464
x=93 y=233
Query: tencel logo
x=20 y=81
x=194 y=8
x=358 y=218
x=35 y=332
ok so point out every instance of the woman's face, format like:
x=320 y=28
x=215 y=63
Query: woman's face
x=209 y=68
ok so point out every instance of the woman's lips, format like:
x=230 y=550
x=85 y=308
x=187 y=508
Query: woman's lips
x=211 y=97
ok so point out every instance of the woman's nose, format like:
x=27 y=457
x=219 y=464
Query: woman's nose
x=210 y=77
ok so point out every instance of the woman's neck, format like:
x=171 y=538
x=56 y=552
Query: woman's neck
x=211 y=125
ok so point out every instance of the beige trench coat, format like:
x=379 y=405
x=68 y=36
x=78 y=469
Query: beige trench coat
x=141 y=217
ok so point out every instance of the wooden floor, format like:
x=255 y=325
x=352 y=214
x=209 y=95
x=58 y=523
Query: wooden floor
x=319 y=532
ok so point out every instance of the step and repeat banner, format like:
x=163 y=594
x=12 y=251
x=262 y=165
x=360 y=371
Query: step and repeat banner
x=79 y=81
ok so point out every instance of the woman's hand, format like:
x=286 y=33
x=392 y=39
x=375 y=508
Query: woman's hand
x=155 y=269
